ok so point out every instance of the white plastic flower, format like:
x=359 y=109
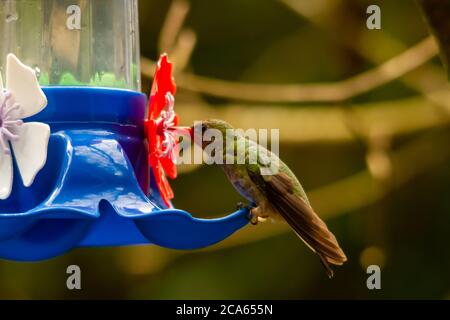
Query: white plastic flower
x=22 y=97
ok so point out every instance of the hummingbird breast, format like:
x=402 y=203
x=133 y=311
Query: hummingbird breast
x=240 y=180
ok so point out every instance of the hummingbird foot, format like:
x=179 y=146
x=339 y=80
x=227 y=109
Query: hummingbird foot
x=256 y=217
x=254 y=220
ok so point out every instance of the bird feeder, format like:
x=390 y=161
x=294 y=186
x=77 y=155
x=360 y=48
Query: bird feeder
x=85 y=157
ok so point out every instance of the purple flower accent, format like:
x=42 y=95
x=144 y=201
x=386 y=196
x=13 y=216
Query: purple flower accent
x=8 y=122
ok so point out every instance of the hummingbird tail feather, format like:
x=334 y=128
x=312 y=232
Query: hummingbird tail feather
x=306 y=223
x=327 y=266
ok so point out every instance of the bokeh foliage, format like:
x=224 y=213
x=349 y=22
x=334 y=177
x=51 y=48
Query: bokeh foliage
x=404 y=229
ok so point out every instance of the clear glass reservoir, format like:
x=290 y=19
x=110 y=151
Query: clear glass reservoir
x=74 y=42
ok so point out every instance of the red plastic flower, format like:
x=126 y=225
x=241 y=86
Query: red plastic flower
x=160 y=129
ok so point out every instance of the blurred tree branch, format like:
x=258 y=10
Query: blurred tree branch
x=320 y=92
x=174 y=39
x=299 y=124
x=437 y=13
x=425 y=79
x=173 y=23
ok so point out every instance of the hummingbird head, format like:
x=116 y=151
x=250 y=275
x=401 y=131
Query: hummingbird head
x=211 y=124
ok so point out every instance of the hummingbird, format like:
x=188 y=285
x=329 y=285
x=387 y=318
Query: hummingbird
x=272 y=195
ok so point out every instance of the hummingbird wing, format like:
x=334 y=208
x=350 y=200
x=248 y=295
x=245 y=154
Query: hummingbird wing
x=280 y=192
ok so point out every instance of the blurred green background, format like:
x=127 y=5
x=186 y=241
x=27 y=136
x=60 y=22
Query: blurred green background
x=368 y=136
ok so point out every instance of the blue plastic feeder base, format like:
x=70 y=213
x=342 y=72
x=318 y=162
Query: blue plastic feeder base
x=90 y=192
